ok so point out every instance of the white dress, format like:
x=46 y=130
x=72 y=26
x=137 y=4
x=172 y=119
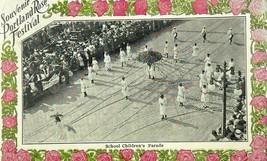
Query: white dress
x=204 y=95
x=202 y=80
x=128 y=50
x=195 y=51
x=152 y=70
x=124 y=88
x=83 y=86
x=122 y=56
x=181 y=94
x=165 y=50
x=90 y=73
x=148 y=70
x=95 y=65
x=207 y=61
x=209 y=72
x=162 y=106
x=175 y=53
x=107 y=61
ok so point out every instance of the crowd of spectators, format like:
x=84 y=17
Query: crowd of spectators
x=54 y=54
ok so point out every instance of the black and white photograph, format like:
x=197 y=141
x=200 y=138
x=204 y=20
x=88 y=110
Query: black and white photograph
x=136 y=80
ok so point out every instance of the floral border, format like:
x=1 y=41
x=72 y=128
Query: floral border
x=258 y=18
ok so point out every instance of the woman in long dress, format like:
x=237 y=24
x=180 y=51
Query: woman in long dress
x=95 y=65
x=162 y=106
x=122 y=57
x=204 y=96
x=91 y=74
x=181 y=94
x=195 y=52
x=107 y=61
x=124 y=88
x=83 y=87
x=209 y=72
x=202 y=79
x=128 y=50
x=207 y=61
x=175 y=53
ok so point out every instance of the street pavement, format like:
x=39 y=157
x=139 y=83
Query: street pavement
x=106 y=116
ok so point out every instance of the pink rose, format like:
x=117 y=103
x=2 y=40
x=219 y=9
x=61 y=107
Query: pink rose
x=259 y=35
x=9 y=157
x=140 y=7
x=259 y=56
x=240 y=155
x=256 y=7
x=104 y=157
x=126 y=154
x=237 y=6
x=100 y=7
x=52 y=155
x=74 y=8
x=260 y=74
x=185 y=155
x=165 y=7
x=10 y=121
x=200 y=7
x=8 y=146
x=263 y=120
x=23 y=155
x=79 y=156
x=120 y=7
x=259 y=102
x=257 y=155
x=212 y=157
x=9 y=95
x=149 y=155
x=8 y=66
x=259 y=142
x=214 y=2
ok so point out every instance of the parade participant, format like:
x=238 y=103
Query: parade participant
x=175 y=34
x=220 y=79
x=175 y=53
x=81 y=63
x=122 y=57
x=83 y=87
x=107 y=61
x=217 y=72
x=207 y=61
x=204 y=96
x=162 y=106
x=230 y=35
x=91 y=74
x=128 y=50
x=231 y=67
x=165 y=50
x=211 y=85
x=95 y=65
x=152 y=71
x=124 y=88
x=202 y=79
x=148 y=71
x=181 y=94
x=195 y=52
x=209 y=72
x=204 y=34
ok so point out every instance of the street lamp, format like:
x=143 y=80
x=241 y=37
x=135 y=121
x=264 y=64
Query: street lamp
x=225 y=84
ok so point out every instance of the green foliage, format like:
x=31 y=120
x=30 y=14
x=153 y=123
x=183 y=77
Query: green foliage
x=60 y=7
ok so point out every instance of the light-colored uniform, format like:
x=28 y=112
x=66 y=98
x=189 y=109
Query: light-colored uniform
x=204 y=95
x=181 y=94
x=162 y=106
x=195 y=51
x=175 y=53
x=107 y=61
x=202 y=80
x=207 y=61
x=123 y=56
x=209 y=72
x=83 y=86
x=95 y=65
x=91 y=73
x=124 y=88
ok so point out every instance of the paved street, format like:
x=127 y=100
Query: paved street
x=105 y=115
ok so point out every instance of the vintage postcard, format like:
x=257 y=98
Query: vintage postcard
x=140 y=80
